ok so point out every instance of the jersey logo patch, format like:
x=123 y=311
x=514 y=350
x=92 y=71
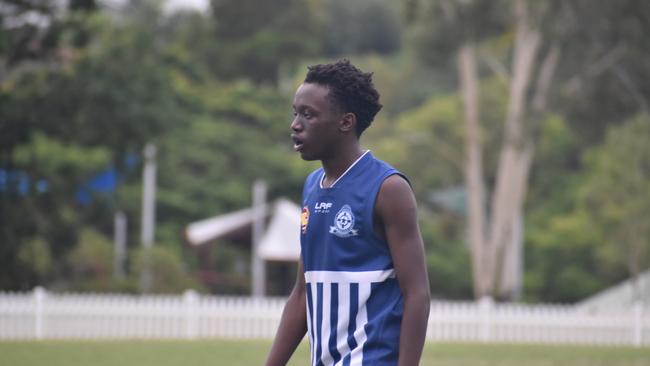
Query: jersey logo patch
x=322 y=207
x=344 y=223
x=304 y=219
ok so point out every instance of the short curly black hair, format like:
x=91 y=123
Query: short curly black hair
x=350 y=89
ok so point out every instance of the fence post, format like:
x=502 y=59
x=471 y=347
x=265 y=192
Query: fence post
x=486 y=306
x=637 y=326
x=190 y=299
x=39 y=299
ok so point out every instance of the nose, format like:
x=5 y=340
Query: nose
x=296 y=125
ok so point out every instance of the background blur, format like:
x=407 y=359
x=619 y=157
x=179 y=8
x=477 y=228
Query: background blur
x=523 y=126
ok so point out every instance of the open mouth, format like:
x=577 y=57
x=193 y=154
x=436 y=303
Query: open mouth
x=297 y=143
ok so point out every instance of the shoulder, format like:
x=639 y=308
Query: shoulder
x=396 y=207
x=395 y=198
x=394 y=189
x=386 y=171
x=314 y=176
x=311 y=183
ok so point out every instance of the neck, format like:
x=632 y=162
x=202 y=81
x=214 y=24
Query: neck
x=335 y=167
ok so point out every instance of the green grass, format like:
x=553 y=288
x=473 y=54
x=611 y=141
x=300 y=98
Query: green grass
x=244 y=353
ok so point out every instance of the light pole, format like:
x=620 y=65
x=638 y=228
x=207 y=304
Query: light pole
x=120 y=245
x=257 y=263
x=148 y=213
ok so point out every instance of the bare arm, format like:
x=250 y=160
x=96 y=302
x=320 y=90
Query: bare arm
x=397 y=213
x=293 y=324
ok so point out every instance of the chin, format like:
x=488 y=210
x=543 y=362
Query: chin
x=308 y=157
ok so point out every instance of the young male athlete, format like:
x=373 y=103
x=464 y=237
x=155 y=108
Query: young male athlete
x=362 y=292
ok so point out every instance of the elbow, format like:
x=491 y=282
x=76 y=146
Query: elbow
x=418 y=304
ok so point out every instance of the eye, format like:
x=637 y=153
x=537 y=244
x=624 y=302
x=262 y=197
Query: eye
x=307 y=115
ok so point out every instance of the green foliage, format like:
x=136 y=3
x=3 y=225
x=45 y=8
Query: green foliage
x=21 y=40
x=52 y=158
x=82 y=5
x=447 y=257
x=588 y=230
x=92 y=260
x=121 y=104
x=213 y=92
x=166 y=268
x=91 y=263
x=559 y=237
x=275 y=34
x=208 y=163
x=438 y=28
x=45 y=211
x=362 y=26
x=431 y=132
x=427 y=142
x=603 y=70
x=560 y=259
x=35 y=255
x=617 y=195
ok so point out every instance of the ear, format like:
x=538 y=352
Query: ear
x=348 y=122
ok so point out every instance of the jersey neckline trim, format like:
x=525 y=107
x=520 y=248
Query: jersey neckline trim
x=322 y=177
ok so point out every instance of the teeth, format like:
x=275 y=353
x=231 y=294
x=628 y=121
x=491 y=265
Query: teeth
x=297 y=144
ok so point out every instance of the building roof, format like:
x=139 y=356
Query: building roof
x=624 y=295
x=281 y=238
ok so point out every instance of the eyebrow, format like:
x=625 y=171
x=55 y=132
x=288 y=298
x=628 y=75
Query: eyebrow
x=304 y=106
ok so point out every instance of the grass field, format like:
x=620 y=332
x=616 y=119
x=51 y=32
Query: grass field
x=245 y=353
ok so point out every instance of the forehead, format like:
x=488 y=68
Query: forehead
x=312 y=95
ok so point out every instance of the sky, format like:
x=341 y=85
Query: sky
x=170 y=5
x=34 y=17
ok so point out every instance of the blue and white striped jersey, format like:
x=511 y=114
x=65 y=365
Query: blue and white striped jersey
x=354 y=304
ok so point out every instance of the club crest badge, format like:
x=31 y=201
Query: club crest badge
x=304 y=219
x=344 y=223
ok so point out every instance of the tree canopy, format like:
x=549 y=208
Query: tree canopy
x=84 y=88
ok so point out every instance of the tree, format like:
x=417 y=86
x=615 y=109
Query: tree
x=91 y=262
x=168 y=274
x=24 y=43
x=39 y=207
x=617 y=195
x=60 y=126
x=207 y=165
x=476 y=21
x=275 y=35
x=590 y=229
x=357 y=27
x=536 y=30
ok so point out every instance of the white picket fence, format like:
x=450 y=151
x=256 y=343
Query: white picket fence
x=43 y=315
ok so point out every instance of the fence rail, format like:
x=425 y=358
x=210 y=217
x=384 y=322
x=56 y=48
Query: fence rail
x=43 y=315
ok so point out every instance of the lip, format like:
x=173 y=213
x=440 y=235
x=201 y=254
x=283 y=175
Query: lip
x=297 y=143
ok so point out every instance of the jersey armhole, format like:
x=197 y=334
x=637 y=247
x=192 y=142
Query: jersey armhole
x=374 y=202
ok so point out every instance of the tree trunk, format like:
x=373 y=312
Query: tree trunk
x=496 y=241
x=516 y=151
x=509 y=286
x=505 y=287
x=473 y=166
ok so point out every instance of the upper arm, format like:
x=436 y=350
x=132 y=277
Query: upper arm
x=299 y=286
x=397 y=211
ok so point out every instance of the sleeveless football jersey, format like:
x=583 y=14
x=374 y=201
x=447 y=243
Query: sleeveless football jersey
x=354 y=303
